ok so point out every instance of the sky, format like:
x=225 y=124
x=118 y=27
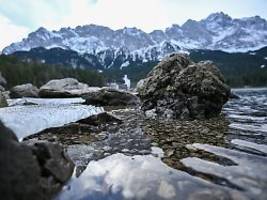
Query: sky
x=20 y=17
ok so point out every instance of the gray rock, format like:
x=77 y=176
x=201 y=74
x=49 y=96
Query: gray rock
x=101 y=118
x=178 y=88
x=151 y=114
x=53 y=160
x=31 y=172
x=3 y=102
x=64 y=88
x=6 y=94
x=25 y=90
x=111 y=97
x=3 y=81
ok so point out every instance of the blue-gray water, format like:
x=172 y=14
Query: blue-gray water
x=119 y=176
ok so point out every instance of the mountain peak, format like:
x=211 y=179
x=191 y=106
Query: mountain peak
x=218 y=31
x=218 y=16
x=41 y=29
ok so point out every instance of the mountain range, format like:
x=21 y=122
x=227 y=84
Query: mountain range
x=103 y=48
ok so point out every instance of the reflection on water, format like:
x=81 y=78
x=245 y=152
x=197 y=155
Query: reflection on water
x=140 y=177
x=248 y=115
x=119 y=176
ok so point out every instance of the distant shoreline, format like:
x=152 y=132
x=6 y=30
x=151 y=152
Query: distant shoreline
x=250 y=88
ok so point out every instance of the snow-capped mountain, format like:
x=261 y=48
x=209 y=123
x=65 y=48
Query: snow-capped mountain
x=121 y=47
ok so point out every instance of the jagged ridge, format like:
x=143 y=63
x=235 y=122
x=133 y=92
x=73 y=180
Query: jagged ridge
x=121 y=47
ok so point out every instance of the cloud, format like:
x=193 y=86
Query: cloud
x=10 y=32
x=33 y=13
x=145 y=14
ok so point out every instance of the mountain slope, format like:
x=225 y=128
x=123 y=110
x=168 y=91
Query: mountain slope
x=217 y=32
x=239 y=69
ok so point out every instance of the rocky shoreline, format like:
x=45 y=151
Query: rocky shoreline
x=131 y=133
x=175 y=122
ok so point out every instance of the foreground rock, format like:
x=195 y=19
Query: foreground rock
x=25 y=90
x=64 y=88
x=3 y=102
x=28 y=172
x=178 y=88
x=111 y=97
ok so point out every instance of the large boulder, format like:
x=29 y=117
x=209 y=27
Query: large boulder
x=25 y=90
x=111 y=97
x=178 y=88
x=3 y=102
x=2 y=80
x=63 y=88
x=30 y=172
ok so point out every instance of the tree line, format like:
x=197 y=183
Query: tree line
x=18 y=72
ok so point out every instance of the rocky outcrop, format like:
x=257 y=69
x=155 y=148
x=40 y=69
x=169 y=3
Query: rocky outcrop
x=35 y=171
x=64 y=88
x=110 y=97
x=178 y=88
x=3 y=81
x=25 y=90
x=3 y=102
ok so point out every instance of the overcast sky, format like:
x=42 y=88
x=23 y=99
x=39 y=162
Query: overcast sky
x=19 y=17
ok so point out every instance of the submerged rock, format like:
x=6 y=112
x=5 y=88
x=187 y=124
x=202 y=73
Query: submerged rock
x=3 y=102
x=31 y=172
x=178 y=88
x=64 y=88
x=111 y=97
x=25 y=90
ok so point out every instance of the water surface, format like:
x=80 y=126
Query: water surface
x=240 y=173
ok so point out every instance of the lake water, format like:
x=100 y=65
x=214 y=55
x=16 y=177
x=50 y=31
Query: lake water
x=244 y=176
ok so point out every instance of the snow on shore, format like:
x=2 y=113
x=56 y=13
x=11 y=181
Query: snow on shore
x=31 y=119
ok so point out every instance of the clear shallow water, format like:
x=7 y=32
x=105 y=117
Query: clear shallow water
x=126 y=175
x=146 y=177
x=248 y=115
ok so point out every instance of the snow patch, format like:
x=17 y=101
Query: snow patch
x=127 y=81
x=125 y=64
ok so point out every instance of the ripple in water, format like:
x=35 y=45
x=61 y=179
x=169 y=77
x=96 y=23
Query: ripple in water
x=146 y=177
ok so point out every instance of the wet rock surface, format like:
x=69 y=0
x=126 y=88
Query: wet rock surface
x=178 y=88
x=31 y=172
x=87 y=141
x=111 y=97
x=25 y=90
